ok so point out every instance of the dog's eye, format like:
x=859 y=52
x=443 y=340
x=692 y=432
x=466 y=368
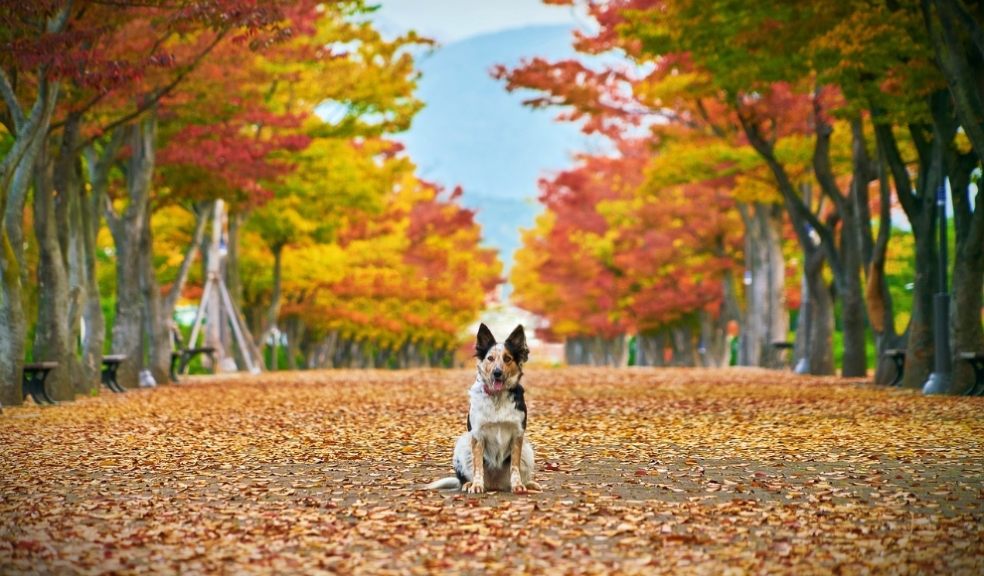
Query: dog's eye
x=507 y=359
x=488 y=358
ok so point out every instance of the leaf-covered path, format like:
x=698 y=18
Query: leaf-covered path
x=643 y=471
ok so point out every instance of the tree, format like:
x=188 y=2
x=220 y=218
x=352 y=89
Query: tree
x=676 y=102
x=392 y=287
x=113 y=64
x=29 y=35
x=615 y=254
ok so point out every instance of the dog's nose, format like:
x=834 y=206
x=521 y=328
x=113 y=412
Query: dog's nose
x=497 y=373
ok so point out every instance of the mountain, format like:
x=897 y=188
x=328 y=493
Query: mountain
x=473 y=133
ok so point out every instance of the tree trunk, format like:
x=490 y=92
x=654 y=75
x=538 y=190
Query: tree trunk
x=127 y=336
x=13 y=325
x=73 y=249
x=919 y=354
x=29 y=131
x=15 y=174
x=52 y=339
x=571 y=352
x=958 y=40
x=650 y=348
x=920 y=207
x=968 y=272
x=730 y=312
x=92 y=205
x=92 y=312
x=127 y=231
x=766 y=317
x=295 y=333
x=855 y=230
x=684 y=351
x=157 y=320
x=714 y=338
x=878 y=298
x=273 y=311
x=847 y=268
x=820 y=335
x=854 y=362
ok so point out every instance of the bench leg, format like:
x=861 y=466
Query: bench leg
x=978 y=388
x=119 y=387
x=174 y=362
x=185 y=360
x=44 y=392
x=38 y=397
x=34 y=386
x=109 y=379
x=187 y=357
x=899 y=371
x=31 y=389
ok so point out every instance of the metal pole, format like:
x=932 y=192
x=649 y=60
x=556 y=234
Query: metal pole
x=939 y=381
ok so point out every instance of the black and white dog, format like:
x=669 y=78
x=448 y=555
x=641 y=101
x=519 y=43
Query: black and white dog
x=494 y=453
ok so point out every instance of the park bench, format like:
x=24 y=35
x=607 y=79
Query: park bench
x=896 y=355
x=35 y=374
x=181 y=358
x=110 y=364
x=976 y=360
x=782 y=351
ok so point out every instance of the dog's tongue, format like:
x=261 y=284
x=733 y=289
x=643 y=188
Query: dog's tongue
x=497 y=385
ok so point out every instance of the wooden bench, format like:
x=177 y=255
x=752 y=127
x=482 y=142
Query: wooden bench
x=976 y=360
x=110 y=364
x=896 y=355
x=35 y=374
x=181 y=358
x=782 y=351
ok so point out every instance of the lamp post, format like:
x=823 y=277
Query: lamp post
x=939 y=381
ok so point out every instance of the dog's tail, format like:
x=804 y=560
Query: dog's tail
x=444 y=484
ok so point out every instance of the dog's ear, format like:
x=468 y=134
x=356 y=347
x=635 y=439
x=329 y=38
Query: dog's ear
x=484 y=341
x=516 y=344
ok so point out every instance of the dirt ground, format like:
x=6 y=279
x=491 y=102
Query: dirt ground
x=644 y=471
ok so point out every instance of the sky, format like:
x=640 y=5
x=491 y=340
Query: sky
x=499 y=155
x=451 y=20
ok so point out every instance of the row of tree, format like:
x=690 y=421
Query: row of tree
x=124 y=122
x=754 y=143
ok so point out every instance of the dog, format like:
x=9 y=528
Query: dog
x=494 y=453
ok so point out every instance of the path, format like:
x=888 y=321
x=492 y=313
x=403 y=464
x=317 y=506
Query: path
x=644 y=471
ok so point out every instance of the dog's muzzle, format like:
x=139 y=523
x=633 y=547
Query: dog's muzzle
x=498 y=382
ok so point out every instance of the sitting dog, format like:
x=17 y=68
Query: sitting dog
x=494 y=453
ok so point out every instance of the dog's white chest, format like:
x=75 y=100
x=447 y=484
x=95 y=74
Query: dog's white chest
x=495 y=421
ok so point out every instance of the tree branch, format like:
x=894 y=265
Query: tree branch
x=99 y=97
x=821 y=161
x=175 y=292
x=903 y=183
x=798 y=211
x=156 y=95
x=959 y=12
x=705 y=115
x=10 y=98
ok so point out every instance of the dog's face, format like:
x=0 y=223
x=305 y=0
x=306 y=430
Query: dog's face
x=500 y=365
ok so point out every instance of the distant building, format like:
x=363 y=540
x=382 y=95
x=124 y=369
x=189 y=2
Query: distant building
x=503 y=318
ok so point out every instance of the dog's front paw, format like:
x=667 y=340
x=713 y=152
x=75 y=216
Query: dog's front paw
x=517 y=483
x=474 y=487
